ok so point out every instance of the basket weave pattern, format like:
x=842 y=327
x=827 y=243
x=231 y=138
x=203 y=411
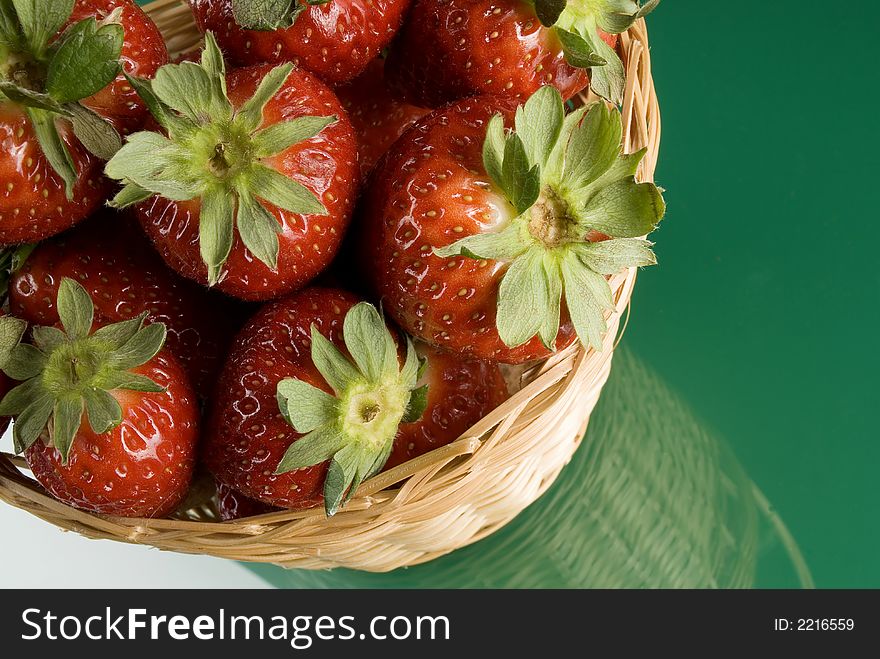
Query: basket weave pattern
x=438 y=502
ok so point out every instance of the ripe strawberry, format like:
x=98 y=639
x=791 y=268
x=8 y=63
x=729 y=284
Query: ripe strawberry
x=449 y=49
x=335 y=39
x=378 y=118
x=235 y=505
x=473 y=234
x=334 y=370
x=135 y=456
x=63 y=100
x=267 y=151
x=110 y=257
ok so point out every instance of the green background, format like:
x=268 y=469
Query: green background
x=756 y=332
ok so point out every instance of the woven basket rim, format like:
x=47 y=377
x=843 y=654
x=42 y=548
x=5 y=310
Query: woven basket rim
x=420 y=502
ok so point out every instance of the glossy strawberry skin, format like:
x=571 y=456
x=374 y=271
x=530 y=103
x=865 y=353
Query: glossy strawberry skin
x=430 y=191
x=247 y=436
x=112 y=259
x=234 y=505
x=335 y=40
x=377 y=116
x=326 y=164
x=143 y=467
x=460 y=393
x=450 y=49
x=33 y=203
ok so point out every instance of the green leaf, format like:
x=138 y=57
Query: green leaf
x=31 y=422
x=548 y=11
x=502 y=245
x=153 y=163
x=140 y=348
x=17 y=400
x=593 y=147
x=285 y=193
x=24 y=361
x=339 y=373
x=412 y=367
x=129 y=381
x=53 y=147
x=40 y=20
x=340 y=475
x=370 y=343
x=104 y=410
x=31 y=99
x=118 y=334
x=258 y=229
x=579 y=52
x=129 y=195
x=619 y=15
x=216 y=226
x=624 y=209
x=314 y=448
x=608 y=80
x=192 y=91
x=539 y=123
x=174 y=124
x=522 y=184
x=96 y=134
x=280 y=137
x=48 y=338
x=10 y=37
x=265 y=15
x=307 y=406
x=556 y=161
x=418 y=403
x=609 y=257
x=86 y=61
x=523 y=299
x=11 y=331
x=553 y=280
x=67 y=418
x=212 y=61
x=647 y=8
x=251 y=113
x=586 y=295
x=493 y=149
x=75 y=309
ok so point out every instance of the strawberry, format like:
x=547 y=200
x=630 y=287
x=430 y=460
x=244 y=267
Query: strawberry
x=460 y=393
x=449 y=49
x=312 y=398
x=235 y=505
x=111 y=258
x=265 y=150
x=378 y=118
x=134 y=456
x=335 y=39
x=63 y=101
x=474 y=234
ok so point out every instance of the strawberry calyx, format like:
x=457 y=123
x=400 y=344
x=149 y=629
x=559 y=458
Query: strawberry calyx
x=68 y=371
x=50 y=77
x=213 y=152
x=569 y=183
x=268 y=15
x=576 y=24
x=11 y=259
x=354 y=429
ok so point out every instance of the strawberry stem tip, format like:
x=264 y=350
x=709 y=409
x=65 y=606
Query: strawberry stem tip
x=355 y=428
x=50 y=77
x=269 y=15
x=568 y=180
x=213 y=152
x=70 y=370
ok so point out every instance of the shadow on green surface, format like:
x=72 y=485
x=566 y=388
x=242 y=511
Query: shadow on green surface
x=651 y=499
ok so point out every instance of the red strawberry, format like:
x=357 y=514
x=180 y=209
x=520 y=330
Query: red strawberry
x=268 y=152
x=335 y=39
x=125 y=277
x=299 y=417
x=134 y=456
x=449 y=49
x=460 y=393
x=474 y=235
x=62 y=100
x=235 y=505
x=378 y=118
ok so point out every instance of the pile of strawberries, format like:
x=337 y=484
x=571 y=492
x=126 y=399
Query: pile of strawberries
x=299 y=256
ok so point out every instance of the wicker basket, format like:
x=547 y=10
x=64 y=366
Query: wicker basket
x=436 y=503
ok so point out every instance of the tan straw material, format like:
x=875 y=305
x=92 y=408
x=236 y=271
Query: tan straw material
x=434 y=504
